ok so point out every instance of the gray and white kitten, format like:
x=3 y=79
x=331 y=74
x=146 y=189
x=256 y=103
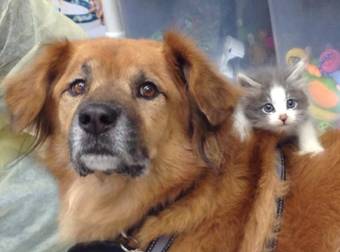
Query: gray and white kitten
x=276 y=100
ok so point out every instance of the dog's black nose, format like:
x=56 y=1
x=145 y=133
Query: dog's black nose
x=97 y=118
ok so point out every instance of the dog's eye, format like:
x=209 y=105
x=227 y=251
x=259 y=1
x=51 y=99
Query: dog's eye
x=147 y=90
x=77 y=87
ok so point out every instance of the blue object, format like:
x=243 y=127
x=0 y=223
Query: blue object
x=335 y=76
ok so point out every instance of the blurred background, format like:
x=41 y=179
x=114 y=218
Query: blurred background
x=235 y=34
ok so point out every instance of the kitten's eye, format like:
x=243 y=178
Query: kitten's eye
x=268 y=108
x=291 y=104
x=148 y=90
x=77 y=87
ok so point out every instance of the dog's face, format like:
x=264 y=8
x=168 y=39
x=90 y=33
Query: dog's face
x=109 y=100
x=116 y=102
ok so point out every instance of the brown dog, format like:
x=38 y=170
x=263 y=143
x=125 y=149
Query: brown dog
x=129 y=126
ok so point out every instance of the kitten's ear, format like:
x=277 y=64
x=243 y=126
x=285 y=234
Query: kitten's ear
x=246 y=81
x=295 y=72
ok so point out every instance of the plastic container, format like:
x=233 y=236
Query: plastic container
x=235 y=34
x=310 y=29
x=80 y=12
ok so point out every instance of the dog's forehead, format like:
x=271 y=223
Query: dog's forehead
x=121 y=60
x=120 y=53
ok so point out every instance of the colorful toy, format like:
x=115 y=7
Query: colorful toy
x=323 y=84
x=330 y=64
x=329 y=61
x=325 y=101
x=295 y=54
x=313 y=70
x=323 y=95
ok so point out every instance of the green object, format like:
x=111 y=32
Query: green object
x=330 y=84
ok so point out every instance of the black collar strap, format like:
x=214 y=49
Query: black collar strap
x=281 y=172
x=280 y=201
x=161 y=244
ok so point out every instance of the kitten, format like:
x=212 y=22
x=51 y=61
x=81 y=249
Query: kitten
x=277 y=100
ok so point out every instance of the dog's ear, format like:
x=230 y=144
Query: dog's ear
x=211 y=98
x=27 y=92
x=214 y=97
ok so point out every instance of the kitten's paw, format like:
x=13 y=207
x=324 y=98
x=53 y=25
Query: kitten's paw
x=313 y=149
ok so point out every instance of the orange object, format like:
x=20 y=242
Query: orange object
x=321 y=95
x=313 y=70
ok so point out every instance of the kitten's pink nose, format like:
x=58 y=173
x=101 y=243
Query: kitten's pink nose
x=283 y=117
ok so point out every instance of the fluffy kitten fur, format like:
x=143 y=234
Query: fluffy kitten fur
x=276 y=100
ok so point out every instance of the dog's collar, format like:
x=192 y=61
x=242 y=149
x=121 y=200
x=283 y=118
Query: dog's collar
x=160 y=244
x=280 y=201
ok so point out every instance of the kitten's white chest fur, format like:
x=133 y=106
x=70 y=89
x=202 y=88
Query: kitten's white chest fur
x=308 y=139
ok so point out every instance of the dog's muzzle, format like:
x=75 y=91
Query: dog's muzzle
x=103 y=137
